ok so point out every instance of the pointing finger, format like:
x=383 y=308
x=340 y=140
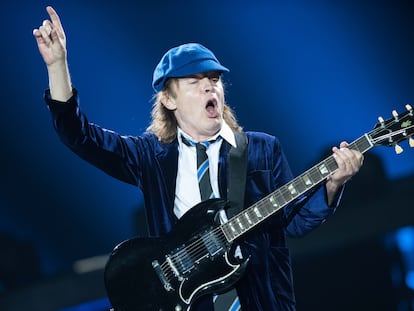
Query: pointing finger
x=54 y=17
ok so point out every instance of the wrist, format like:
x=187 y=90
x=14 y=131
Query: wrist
x=59 y=81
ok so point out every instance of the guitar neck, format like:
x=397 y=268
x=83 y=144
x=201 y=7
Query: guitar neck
x=273 y=202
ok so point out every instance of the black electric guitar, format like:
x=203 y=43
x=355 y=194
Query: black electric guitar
x=171 y=272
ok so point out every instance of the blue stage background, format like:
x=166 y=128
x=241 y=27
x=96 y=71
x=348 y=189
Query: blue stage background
x=312 y=73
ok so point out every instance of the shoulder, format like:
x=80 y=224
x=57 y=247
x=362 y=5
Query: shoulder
x=151 y=141
x=261 y=138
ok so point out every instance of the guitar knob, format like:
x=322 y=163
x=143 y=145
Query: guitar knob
x=398 y=149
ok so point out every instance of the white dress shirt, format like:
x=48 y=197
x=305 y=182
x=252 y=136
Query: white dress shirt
x=187 y=192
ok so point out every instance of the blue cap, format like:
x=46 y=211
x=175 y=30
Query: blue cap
x=185 y=60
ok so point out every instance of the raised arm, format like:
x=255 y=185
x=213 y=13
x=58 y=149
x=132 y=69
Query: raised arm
x=51 y=41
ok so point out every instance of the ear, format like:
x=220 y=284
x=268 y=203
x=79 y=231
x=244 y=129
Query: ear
x=168 y=101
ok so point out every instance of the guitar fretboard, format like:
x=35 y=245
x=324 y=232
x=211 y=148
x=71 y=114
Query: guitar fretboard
x=273 y=202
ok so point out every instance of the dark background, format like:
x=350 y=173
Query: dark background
x=313 y=73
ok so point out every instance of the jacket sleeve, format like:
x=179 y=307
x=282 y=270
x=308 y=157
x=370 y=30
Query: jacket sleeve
x=269 y=171
x=115 y=154
x=309 y=212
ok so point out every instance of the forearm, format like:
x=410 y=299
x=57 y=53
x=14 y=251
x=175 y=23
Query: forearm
x=332 y=190
x=59 y=81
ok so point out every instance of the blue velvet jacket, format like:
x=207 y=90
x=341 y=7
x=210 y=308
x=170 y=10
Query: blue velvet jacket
x=152 y=166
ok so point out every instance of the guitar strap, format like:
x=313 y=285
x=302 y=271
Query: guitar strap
x=236 y=177
x=236 y=173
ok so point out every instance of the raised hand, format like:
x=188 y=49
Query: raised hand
x=51 y=39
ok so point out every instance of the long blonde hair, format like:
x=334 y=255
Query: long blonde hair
x=163 y=122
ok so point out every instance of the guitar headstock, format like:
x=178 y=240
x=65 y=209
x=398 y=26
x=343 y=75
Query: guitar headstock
x=394 y=130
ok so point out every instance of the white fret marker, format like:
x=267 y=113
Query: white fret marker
x=248 y=218
x=273 y=201
x=307 y=180
x=292 y=189
x=258 y=214
x=232 y=228
x=240 y=224
x=323 y=169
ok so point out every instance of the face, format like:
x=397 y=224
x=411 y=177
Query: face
x=198 y=104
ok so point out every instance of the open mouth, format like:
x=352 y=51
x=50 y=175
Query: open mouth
x=211 y=108
x=210 y=104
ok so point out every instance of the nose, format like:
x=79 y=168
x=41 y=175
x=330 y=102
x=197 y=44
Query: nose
x=206 y=84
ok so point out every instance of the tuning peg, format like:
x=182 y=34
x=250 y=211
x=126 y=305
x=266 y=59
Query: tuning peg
x=408 y=107
x=395 y=114
x=411 y=142
x=381 y=121
x=398 y=149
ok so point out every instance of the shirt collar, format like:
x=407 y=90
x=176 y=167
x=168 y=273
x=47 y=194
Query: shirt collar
x=225 y=132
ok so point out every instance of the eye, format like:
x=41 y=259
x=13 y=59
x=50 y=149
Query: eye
x=215 y=77
x=192 y=80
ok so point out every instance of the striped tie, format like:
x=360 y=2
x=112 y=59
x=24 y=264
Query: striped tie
x=203 y=171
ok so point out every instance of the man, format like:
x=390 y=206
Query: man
x=189 y=108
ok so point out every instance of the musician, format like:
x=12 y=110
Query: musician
x=189 y=106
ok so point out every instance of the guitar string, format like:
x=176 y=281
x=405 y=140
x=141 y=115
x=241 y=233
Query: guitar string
x=196 y=247
x=188 y=255
x=186 y=263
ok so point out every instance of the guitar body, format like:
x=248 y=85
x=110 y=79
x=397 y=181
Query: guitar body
x=171 y=272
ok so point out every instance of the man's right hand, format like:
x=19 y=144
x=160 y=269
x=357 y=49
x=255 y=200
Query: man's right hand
x=51 y=40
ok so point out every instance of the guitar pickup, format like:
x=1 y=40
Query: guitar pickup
x=213 y=244
x=180 y=262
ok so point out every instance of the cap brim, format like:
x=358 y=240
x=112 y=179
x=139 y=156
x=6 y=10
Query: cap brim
x=197 y=67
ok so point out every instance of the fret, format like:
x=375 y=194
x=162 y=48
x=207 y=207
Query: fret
x=323 y=169
x=356 y=146
x=257 y=213
x=265 y=208
x=252 y=216
x=273 y=201
x=306 y=178
x=331 y=163
x=240 y=224
x=284 y=195
x=232 y=228
x=315 y=174
x=279 y=197
x=292 y=189
x=300 y=186
x=248 y=219
x=362 y=144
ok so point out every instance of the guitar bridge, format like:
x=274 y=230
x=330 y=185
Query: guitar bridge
x=161 y=276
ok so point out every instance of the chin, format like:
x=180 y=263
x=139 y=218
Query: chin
x=216 y=128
